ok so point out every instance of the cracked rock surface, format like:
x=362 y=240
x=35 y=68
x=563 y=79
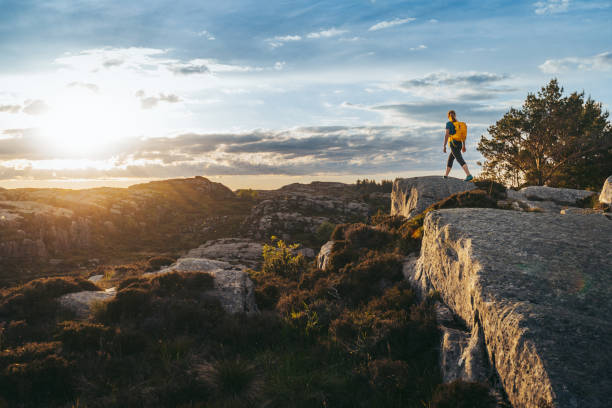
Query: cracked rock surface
x=538 y=285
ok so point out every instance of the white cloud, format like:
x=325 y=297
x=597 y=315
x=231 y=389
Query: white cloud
x=420 y=47
x=332 y=32
x=279 y=65
x=206 y=34
x=280 y=40
x=551 y=6
x=599 y=62
x=386 y=24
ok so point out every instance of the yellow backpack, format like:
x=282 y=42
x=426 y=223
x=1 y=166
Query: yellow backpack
x=460 y=131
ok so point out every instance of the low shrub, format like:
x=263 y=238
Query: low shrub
x=232 y=382
x=40 y=381
x=157 y=262
x=492 y=188
x=461 y=394
x=280 y=259
x=36 y=300
x=84 y=336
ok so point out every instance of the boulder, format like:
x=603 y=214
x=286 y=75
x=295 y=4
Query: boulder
x=233 y=286
x=560 y=196
x=410 y=196
x=324 y=253
x=538 y=285
x=81 y=302
x=606 y=192
x=233 y=250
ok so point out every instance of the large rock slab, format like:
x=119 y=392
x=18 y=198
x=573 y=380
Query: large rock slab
x=606 y=192
x=539 y=287
x=410 y=196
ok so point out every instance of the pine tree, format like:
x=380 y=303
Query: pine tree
x=551 y=140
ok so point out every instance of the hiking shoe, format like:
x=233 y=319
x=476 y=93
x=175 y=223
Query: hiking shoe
x=468 y=178
x=445 y=176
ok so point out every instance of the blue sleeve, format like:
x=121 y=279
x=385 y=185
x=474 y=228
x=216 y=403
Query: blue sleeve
x=451 y=128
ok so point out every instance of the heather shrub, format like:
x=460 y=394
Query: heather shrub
x=84 y=336
x=359 y=282
x=389 y=375
x=492 y=188
x=324 y=231
x=156 y=262
x=473 y=198
x=40 y=381
x=232 y=382
x=35 y=300
x=461 y=394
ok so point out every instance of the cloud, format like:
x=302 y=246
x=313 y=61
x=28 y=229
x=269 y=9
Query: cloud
x=91 y=87
x=298 y=151
x=599 y=62
x=206 y=34
x=189 y=69
x=551 y=6
x=280 y=40
x=35 y=107
x=434 y=111
x=420 y=47
x=387 y=24
x=148 y=102
x=446 y=79
x=10 y=108
x=332 y=32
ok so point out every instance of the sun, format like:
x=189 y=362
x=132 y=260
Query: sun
x=81 y=123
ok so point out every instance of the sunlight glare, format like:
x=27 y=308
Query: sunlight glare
x=81 y=123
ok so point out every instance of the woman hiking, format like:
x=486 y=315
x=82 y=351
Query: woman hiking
x=455 y=136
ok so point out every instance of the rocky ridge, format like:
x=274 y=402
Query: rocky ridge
x=516 y=303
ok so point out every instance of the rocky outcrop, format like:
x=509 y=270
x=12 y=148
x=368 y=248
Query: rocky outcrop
x=82 y=302
x=233 y=287
x=324 y=254
x=233 y=250
x=410 y=196
x=537 y=286
x=561 y=196
x=301 y=208
x=606 y=192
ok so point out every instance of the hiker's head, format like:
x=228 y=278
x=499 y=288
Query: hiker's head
x=452 y=115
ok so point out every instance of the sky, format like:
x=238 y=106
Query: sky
x=259 y=94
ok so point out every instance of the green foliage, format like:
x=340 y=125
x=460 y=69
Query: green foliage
x=324 y=231
x=460 y=394
x=282 y=260
x=371 y=186
x=247 y=194
x=551 y=140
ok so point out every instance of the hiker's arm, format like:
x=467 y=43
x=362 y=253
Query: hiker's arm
x=463 y=147
x=446 y=140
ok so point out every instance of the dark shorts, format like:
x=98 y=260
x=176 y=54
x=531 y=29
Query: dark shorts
x=455 y=147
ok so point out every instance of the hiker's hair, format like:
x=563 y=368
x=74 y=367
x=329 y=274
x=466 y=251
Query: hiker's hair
x=453 y=115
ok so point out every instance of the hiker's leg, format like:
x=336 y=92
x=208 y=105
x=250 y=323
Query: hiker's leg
x=456 y=151
x=449 y=163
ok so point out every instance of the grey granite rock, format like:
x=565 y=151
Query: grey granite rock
x=81 y=302
x=539 y=286
x=410 y=196
x=232 y=250
x=233 y=286
x=606 y=192
x=323 y=256
x=561 y=196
